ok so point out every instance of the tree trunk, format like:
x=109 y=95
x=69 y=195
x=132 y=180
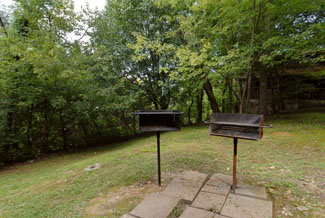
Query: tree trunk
x=164 y=102
x=242 y=100
x=46 y=129
x=249 y=86
x=252 y=56
x=155 y=102
x=208 y=110
x=223 y=107
x=30 y=123
x=209 y=91
x=239 y=96
x=224 y=94
x=6 y=149
x=273 y=95
x=264 y=78
x=134 y=124
x=280 y=100
x=230 y=95
x=64 y=133
x=199 y=101
x=262 y=109
x=189 y=112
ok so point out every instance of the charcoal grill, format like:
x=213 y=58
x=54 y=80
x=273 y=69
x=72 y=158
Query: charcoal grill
x=159 y=121
x=237 y=126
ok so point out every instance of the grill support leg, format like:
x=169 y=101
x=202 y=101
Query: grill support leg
x=234 y=169
x=158 y=157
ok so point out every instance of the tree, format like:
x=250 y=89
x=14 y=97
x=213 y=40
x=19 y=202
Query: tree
x=60 y=95
x=295 y=37
x=133 y=33
x=220 y=45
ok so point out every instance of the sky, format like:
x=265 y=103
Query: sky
x=77 y=3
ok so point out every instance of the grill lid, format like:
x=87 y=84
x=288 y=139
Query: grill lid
x=158 y=112
x=243 y=126
x=159 y=120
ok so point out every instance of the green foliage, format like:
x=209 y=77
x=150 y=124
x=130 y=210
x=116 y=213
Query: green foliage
x=132 y=34
x=55 y=94
x=58 y=94
x=234 y=39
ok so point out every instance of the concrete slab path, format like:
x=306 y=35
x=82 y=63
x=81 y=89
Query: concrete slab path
x=246 y=207
x=191 y=212
x=210 y=201
x=155 y=205
x=186 y=186
x=205 y=198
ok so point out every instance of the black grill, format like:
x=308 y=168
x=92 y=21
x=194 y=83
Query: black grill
x=159 y=121
x=237 y=126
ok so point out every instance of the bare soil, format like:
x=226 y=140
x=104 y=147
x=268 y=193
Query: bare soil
x=282 y=134
x=106 y=204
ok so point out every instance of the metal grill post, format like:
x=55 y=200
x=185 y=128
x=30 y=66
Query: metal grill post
x=234 y=179
x=158 y=157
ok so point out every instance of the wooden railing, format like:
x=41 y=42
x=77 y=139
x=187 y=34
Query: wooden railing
x=316 y=94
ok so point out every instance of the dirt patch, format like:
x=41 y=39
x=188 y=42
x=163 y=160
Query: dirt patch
x=106 y=204
x=314 y=185
x=125 y=196
x=283 y=134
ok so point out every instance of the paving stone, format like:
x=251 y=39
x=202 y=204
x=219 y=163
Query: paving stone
x=219 y=187
x=219 y=216
x=251 y=191
x=209 y=201
x=184 y=189
x=239 y=206
x=215 y=178
x=155 y=205
x=191 y=212
x=128 y=216
x=192 y=175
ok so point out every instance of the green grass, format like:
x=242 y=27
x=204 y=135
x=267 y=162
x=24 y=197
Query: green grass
x=289 y=162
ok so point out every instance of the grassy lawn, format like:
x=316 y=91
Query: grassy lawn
x=289 y=162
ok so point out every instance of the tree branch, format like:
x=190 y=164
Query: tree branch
x=258 y=17
x=4 y=27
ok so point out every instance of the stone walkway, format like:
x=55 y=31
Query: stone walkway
x=205 y=198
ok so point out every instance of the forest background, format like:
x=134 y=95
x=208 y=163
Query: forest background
x=196 y=56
